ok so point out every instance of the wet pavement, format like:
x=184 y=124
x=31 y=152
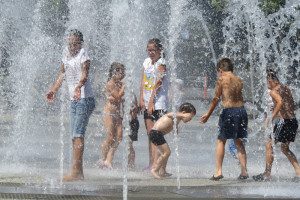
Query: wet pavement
x=33 y=169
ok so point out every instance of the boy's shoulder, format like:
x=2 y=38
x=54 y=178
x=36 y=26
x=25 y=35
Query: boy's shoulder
x=231 y=77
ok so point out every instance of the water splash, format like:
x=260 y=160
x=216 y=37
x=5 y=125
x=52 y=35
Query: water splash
x=28 y=99
x=174 y=25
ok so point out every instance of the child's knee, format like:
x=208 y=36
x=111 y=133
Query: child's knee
x=119 y=139
x=167 y=153
x=285 y=149
x=115 y=144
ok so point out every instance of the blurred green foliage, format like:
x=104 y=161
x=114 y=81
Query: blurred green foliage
x=219 y=5
x=267 y=6
x=271 y=6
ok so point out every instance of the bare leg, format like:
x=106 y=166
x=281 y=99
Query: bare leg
x=165 y=153
x=149 y=125
x=291 y=156
x=269 y=161
x=107 y=143
x=220 y=151
x=162 y=170
x=105 y=147
x=269 y=158
x=154 y=154
x=131 y=156
x=242 y=156
x=116 y=141
x=77 y=161
x=110 y=155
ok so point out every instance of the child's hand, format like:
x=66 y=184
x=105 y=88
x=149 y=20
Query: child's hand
x=158 y=83
x=267 y=122
x=204 y=118
x=50 y=96
x=142 y=105
x=150 y=109
x=77 y=93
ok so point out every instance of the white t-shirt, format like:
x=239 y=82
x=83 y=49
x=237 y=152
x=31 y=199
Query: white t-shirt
x=150 y=78
x=73 y=72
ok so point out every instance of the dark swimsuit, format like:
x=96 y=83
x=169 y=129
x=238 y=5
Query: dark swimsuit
x=233 y=123
x=157 y=137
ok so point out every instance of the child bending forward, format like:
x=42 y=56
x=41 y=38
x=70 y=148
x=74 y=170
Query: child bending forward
x=163 y=126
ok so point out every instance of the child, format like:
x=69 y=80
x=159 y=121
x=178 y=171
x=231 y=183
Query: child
x=285 y=126
x=158 y=107
x=163 y=126
x=233 y=120
x=75 y=69
x=134 y=128
x=113 y=113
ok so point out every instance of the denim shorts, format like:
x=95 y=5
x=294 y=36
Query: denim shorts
x=79 y=116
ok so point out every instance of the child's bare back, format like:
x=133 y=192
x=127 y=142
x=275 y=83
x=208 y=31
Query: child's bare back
x=231 y=88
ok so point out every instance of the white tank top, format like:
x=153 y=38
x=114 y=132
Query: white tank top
x=150 y=78
x=73 y=72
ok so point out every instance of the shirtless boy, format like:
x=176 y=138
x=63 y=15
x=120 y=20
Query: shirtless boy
x=233 y=120
x=285 y=125
x=163 y=126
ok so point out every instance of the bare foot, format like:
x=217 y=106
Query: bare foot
x=131 y=167
x=155 y=174
x=104 y=165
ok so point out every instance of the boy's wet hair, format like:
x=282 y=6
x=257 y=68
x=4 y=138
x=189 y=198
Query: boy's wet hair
x=225 y=64
x=272 y=75
x=76 y=33
x=113 y=68
x=187 y=107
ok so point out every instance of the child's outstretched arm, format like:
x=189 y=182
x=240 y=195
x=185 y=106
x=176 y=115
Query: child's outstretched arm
x=53 y=90
x=214 y=103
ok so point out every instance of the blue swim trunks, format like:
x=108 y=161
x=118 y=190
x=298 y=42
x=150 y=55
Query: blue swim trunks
x=233 y=123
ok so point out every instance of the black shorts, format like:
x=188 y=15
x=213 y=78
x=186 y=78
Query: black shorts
x=155 y=115
x=233 y=123
x=157 y=137
x=285 y=130
x=134 y=129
